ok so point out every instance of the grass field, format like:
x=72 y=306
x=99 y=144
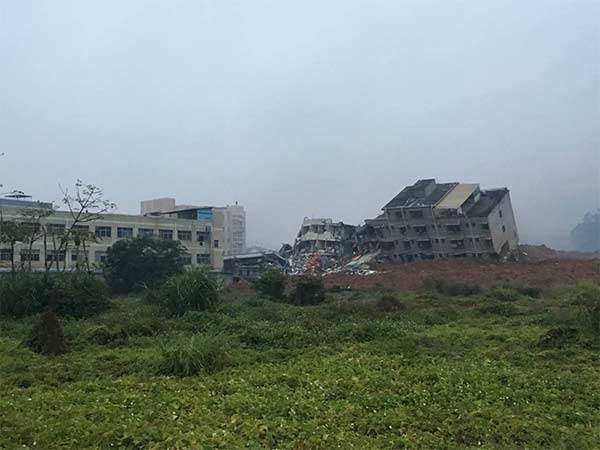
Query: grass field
x=424 y=371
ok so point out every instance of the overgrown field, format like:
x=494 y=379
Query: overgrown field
x=371 y=370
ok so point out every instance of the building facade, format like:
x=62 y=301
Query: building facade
x=431 y=220
x=200 y=235
x=324 y=236
x=233 y=219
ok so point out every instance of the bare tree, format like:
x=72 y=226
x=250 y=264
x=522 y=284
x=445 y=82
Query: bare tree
x=86 y=204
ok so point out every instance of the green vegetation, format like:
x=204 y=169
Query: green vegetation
x=68 y=294
x=136 y=263
x=272 y=284
x=362 y=370
x=309 y=290
x=195 y=290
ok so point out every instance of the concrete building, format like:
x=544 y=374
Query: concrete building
x=252 y=265
x=324 y=236
x=431 y=220
x=201 y=233
x=234 y=219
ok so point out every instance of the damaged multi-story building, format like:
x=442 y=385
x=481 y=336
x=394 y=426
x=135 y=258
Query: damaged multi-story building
x=325 y=236
x=442 y=220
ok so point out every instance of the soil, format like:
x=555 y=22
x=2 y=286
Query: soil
x=415 y=275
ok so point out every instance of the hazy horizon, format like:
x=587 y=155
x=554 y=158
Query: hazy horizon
x=305 y=109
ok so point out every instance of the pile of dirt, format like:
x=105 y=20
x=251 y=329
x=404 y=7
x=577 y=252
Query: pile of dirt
x=484 y=273
x=541 y=252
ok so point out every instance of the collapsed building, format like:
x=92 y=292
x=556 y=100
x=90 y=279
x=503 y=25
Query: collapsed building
x=427 y=220
x=442 y=220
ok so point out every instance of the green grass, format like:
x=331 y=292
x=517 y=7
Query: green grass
x=436 y=372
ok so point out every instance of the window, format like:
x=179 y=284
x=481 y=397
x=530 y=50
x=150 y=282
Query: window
x=145 y=232
x=186 y=260
x=30 y=255
x=407 y=245
x=124 y=232
x=453 y=228
x=416 y=214
x=101 y=257
x=55 y=228
x=183 y=235
x=485 y=226
x=81 y=230
x=5 y=254
x=103 y=231
x=55 y=255
x=74 y=257
x=216 y=243
x=165 y=234
x=203 y=260
x=500 y=212
x=503 y=229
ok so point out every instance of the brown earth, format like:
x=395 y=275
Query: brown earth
x=415 y=275
x=541 y=252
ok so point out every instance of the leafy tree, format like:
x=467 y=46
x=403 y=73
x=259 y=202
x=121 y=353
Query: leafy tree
x=139 y=262
x=12 y=232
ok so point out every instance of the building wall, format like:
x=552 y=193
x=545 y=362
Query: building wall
x=503 y=227
x=235 y=229
x=202 y=253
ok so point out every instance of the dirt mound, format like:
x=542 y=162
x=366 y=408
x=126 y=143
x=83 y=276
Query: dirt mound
x=541 y=252
x=414 y=275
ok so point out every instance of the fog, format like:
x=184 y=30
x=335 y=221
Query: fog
x=305 y=108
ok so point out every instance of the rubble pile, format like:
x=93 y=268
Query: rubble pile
x=318 y=263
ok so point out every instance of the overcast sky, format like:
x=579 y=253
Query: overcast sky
x=304 y=108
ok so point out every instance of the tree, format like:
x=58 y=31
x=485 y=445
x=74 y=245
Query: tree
x=135 y=263
x=86 y=204
x=12 y=232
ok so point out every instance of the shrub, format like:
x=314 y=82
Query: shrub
x=498 y=309
x=309 y=290
x=68 y=294
x=47 y=336
x=454 y=288
x=271 y=284
x=529 y=291
x=503 y=294
x=389 y=304
x=587 y=297
x=557 y=337
x=196 y=290
x=132 y=264
x=200 y=353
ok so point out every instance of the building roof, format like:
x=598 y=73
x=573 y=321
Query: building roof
x=488 y=200
x=253 y=255
x=416 y=196
x=457 y=196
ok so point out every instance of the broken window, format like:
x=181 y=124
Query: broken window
x=503 y=229
x=424 y=245
x=416 y=214
x=485 y=227
x=407 y=245
x=420 y=229
x=457 y=243
x=453 y=229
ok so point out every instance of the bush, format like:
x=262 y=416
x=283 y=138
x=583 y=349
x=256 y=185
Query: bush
x=68 y=294
x=309 y=290
x=271 y=284
x=587 y=297
x=498 y=309
x=389 y=304
x=47 y=336
x=503 y=294
x=196 y=290
x=454 y=289
x=132 y=264
x=200 y=353
x=557 y=337
x=529 y=291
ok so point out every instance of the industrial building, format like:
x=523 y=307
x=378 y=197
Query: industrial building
x=443 y=220
x=200 y=230
x=234 y=219
x=324 y=236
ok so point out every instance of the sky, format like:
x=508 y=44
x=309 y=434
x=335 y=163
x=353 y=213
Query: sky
x=304 y=108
